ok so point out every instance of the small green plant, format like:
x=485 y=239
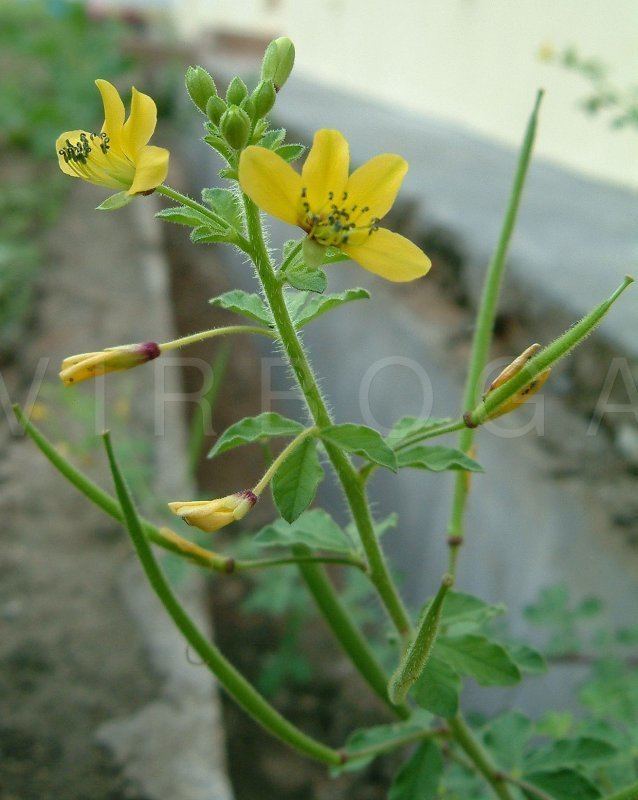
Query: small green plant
x=420 y=670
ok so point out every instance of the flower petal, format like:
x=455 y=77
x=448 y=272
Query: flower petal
x=390 y=255
x=151 y=168
x=376 y=184
x=60 y=143
x=113 y=110
x=270 y=182
x=140 y=124
x=326 y=168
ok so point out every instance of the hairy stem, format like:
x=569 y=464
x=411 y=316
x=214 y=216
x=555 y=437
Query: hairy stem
x=348 y=476
x=474 y=750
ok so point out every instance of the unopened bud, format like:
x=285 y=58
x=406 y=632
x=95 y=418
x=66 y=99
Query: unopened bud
x=200 y=86
x=115 y=359
x=278 y=62
x=249 y=106
x=211 y=515
x=215 y=107
x=235 y=127
x=236 y=91
x=264 y=98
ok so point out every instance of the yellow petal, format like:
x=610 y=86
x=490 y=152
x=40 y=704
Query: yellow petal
x=390 y=255
x=140 y=124
x=151 y=168
x=270 y=182
x=113 y=111
x=376 y=184
x=326 y=168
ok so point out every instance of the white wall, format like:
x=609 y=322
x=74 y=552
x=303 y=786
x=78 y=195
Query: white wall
x=471 y=61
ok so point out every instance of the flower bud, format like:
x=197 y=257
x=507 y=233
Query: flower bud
x=235 y=127
x=278 y=62
x=248 y=105
x=264 y=98
x=114 y=359
x=236 y=91
x=200 y=86
x=211 y=515
x=215 y=107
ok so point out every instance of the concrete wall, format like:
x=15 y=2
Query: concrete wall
x=474 y=62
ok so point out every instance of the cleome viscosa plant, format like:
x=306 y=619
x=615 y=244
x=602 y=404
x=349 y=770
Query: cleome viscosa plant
x=339 y=213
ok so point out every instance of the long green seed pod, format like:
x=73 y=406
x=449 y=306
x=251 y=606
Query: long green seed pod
x=418 y=651
x=542 y=361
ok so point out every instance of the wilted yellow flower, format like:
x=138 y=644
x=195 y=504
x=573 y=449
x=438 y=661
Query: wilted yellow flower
x=333 y=208
x=114 y=359
x=527 y=391
x=211 y=515
x=119 y=157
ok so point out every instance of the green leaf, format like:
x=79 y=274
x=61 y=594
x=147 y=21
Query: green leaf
x=364 y=738
x=300 y=276
x=406 y=427
x=115 y=201
x=479 y=658
x=419 y=777
x=210 y=234
x=526 y=658
x=363 y=441
x=183 y=215
x=316 y=529
x=316 y=306
x=295 y=482
x=438 y=688
x=506 y=736
x=253 y=429
x=436 y=458
x=226 y=204
x=466 y=612
x=273 y=138
x=250 y=305
x=290 y=152
x=564 y=784
x=312 y=252
x=579 y=752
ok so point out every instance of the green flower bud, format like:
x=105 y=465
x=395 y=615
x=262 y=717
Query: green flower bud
x=278 y=62
x=249 y=106
x=200 y=86
x=264 y=98
x=215 y=107
x=235 y=127
x=236 y=91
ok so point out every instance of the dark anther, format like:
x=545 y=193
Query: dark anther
x=455 y=541
x=345 y=196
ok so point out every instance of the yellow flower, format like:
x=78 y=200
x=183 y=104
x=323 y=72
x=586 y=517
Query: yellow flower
x=119 y=157
x=211 y=515
x=336 y=209
x=114 y=359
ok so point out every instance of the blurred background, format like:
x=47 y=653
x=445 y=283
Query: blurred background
x=89 y=668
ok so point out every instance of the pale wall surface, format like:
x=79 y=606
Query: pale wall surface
x=473 y=62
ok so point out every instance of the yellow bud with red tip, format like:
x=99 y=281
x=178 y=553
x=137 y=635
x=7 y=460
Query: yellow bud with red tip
x=211 y=515
x=84 y=366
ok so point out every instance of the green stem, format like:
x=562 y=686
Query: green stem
x=228 y=330
x=484 y=328
x=347 y=633
x=232 y=680
x=347 y=474
x=279 y=460
x=479 y=757
x=628 y=793
x=263 y=563
x=163 y=537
